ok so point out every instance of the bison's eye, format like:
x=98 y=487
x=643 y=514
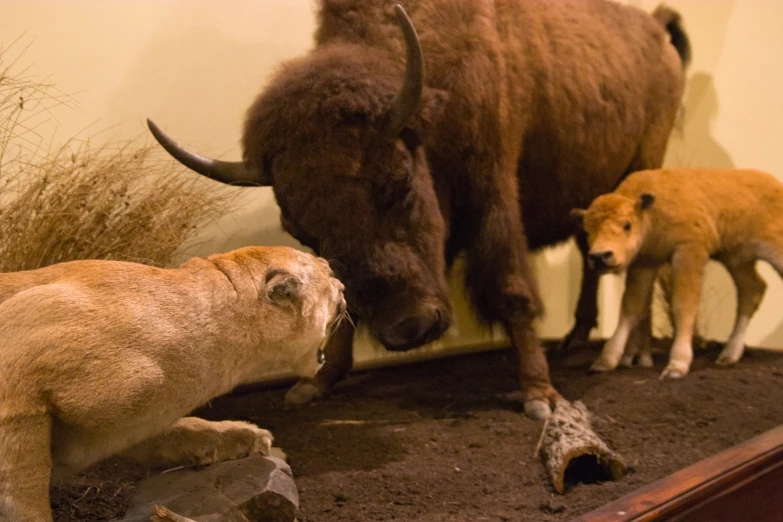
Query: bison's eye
x=627 y=226
x=321 y=356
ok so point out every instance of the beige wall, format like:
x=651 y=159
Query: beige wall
x=195 y=65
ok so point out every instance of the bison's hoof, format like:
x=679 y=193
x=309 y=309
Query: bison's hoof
x=537 y=409
x=675 y=370
x=303 y=392
x=627 y=361
x=645 y=360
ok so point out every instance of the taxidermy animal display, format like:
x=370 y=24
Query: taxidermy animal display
x=99 y=358
x=469 y=127
x=685 y=217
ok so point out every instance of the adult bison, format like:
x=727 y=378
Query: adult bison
x=527 y=110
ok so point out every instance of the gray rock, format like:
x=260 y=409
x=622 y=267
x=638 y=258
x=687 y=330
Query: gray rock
x=255 y=488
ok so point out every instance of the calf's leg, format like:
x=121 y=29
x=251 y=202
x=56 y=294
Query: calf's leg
x=639 y=285
x=750 y=291
x=639 y=343
x=688 y=263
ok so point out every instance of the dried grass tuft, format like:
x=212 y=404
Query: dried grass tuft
x=125 y=200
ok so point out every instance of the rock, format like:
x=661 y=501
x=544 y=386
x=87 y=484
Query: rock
x=256 y=488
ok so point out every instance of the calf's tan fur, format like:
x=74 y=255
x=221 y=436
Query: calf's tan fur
x=685 y=217
x=103 y=357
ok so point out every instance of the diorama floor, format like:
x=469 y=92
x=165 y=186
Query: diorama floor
x=447 y=440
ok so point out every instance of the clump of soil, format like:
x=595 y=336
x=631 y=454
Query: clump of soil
x=447 y=440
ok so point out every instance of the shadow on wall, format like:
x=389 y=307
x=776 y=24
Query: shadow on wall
x=693 y=145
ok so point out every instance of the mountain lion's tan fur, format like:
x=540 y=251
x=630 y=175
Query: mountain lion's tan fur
x=685 y=217
x=104 y=357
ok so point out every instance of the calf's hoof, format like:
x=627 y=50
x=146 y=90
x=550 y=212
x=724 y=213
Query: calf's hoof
x=303 y=392
x=602 y=365
x=675 y=370
x=727 y=357
x=645 y=360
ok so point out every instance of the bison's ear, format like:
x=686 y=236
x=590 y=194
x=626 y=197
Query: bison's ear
x=431 y=109
x=646 y=200
x=578 y=215
x=283 y=287
x=433 y=105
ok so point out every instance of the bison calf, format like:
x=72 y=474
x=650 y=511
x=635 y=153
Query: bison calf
x=685 y=217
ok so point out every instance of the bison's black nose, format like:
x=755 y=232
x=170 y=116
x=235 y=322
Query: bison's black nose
x=601 y=260
x=414 y=330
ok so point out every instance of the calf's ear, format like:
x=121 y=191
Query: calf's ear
x=646 y=200
x=283 y=287
x=578 y=216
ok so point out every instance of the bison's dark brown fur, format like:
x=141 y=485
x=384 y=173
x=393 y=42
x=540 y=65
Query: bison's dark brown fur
x=529 y=109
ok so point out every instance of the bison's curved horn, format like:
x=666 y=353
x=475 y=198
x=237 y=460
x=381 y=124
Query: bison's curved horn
x=229 y=172
x=407 y=99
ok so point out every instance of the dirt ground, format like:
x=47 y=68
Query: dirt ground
x=446 y=440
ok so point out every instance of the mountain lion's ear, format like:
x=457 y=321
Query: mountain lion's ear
x=282 y=286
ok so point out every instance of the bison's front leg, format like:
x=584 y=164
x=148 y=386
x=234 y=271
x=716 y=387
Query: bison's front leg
x=532 y=367
x=504 y=289
x=338 y=360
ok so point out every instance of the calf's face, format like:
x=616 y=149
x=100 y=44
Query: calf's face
x=615 y=229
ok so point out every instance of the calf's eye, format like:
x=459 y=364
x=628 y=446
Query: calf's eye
x=627 y=226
